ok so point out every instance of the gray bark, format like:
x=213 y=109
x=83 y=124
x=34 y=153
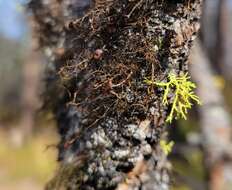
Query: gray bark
x=110 y=121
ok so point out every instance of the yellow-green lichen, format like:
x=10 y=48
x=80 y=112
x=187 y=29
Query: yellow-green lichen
x=182 y=89
x=166 y=146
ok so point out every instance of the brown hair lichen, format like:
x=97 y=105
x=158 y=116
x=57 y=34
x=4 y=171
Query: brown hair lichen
x=108 y=118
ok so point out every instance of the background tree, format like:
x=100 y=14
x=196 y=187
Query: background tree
x=211 y=68
x=214 y=122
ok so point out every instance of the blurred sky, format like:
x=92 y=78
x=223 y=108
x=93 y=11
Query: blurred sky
x=12 y=20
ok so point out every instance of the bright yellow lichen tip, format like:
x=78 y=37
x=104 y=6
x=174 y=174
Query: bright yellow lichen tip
x=166 y=147
x=182 y=89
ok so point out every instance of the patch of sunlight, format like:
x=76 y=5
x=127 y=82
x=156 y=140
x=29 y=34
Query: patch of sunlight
x=32 y=160
x=180 y=188
x=219 y=82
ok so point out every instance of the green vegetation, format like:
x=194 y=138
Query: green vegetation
x=182 y=89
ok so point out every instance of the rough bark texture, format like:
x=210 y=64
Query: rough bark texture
x=110 y=121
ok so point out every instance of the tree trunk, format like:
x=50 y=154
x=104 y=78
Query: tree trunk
x=217 y=42
x=30 y=94
x=110 y=121
x=215 y=123
x=210 y=23
x=224 y=40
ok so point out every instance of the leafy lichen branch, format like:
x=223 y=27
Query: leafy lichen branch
x=182 y=89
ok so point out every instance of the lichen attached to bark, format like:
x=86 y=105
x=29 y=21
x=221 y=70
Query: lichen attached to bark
x=109 y=120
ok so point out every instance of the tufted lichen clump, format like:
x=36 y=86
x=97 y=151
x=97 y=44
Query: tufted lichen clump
x=183 y=95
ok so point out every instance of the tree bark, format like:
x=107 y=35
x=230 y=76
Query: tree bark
x=109 y=120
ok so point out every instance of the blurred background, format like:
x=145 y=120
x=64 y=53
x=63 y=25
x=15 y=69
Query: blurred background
x=28 y=136
x=27 y=153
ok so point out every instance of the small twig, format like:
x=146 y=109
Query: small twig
x=122 y=82
x=115 y=94
x=135 y=7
